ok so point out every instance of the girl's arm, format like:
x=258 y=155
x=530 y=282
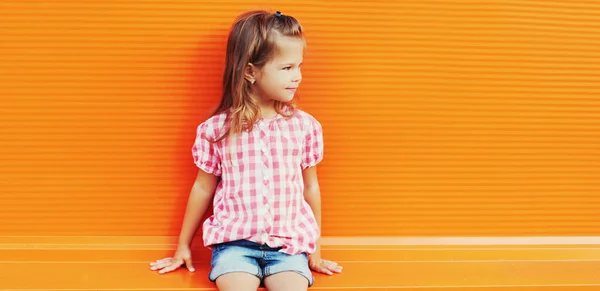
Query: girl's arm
x=200 y=196
x=312 y=195
x=312 y=192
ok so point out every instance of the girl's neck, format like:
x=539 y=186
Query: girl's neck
x=267 y=109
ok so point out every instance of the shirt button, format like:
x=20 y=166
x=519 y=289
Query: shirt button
x=266 y=177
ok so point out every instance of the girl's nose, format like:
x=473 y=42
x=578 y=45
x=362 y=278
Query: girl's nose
x=298 y=76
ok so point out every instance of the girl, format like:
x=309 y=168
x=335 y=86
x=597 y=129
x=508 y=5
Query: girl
x=258 y=154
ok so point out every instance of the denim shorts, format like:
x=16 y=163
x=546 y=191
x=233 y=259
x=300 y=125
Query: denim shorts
x=256 y=259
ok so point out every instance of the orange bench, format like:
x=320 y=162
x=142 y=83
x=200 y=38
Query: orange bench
x=121 y=263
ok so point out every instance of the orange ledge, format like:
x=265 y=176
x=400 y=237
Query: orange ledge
x=121 y=263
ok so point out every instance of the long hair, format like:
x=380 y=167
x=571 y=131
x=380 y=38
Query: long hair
x=252 y=39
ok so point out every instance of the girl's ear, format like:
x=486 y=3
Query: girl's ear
x=250 y=73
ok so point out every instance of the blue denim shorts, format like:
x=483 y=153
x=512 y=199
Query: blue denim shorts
x=256 y=259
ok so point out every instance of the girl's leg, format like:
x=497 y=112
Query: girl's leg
x=284 y=272
x=238 y=281
x=235 y=266
x=286 y=281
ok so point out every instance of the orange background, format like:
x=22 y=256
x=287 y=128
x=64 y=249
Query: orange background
x=453 y=118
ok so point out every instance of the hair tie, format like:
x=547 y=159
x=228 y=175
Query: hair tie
x=278 y=14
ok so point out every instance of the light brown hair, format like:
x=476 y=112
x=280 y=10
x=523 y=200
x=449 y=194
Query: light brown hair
x=252 y=40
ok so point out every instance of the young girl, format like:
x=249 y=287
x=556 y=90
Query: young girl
x=258 y=154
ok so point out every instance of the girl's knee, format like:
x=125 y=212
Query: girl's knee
x=286 y=281
x=237 y=281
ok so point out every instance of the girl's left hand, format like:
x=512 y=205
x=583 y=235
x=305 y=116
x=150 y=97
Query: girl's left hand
x=323 y=266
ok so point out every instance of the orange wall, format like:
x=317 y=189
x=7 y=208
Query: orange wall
x=441 y=117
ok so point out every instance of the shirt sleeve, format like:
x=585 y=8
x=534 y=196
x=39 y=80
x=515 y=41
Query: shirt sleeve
x=204 y=153
x=313 y=144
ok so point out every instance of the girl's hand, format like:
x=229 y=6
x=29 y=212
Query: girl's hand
x=183 y=255
x=323 y=266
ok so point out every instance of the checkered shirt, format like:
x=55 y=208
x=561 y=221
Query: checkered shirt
x=260 y=196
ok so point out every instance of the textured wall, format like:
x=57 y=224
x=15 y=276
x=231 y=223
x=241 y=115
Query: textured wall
x=441 y=117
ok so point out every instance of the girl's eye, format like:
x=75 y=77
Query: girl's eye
x=287 y=68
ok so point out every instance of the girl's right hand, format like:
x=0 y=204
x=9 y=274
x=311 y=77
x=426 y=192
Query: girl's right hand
x=183 y=255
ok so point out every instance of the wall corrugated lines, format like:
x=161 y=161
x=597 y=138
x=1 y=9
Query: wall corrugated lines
x=442 y=118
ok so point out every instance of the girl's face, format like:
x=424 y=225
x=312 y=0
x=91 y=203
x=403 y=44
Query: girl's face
x=278 y=79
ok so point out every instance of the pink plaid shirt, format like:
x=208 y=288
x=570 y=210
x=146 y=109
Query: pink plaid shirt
x=261 y=193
